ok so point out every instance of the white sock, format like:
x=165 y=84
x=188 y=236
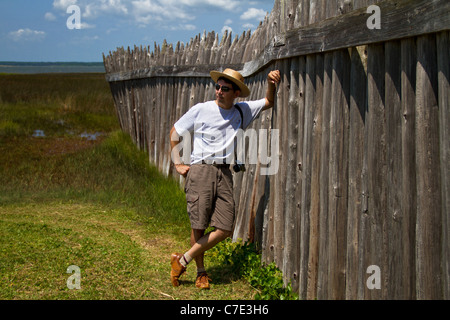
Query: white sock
x=185 y=259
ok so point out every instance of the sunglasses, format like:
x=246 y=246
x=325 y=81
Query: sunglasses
x=224 y=89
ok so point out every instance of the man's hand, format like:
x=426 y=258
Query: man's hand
x=182 y=169
x=274 y=77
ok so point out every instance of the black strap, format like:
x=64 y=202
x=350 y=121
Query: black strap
x=242 y=125
x=242 y=115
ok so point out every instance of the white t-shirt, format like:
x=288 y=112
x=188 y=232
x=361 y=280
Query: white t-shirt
x=215 y=129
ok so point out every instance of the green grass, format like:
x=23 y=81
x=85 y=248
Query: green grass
x=98 y=205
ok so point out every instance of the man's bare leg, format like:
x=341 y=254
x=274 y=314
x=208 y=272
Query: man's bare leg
x=196 y=235
x=207 y=242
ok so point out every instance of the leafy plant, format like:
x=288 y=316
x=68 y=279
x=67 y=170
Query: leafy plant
x=244 y=260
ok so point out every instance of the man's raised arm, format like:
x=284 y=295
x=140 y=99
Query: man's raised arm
x=181 y=168
x=273 y=78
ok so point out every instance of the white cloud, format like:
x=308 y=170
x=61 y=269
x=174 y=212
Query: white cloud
x=249 y=26
x=227 y=28
x=228 y=5
x=169 y=14
x=254 y=14
x=96 y=8
x=146 y=11
x=93 y=8
x=63 y=4
x=189 y=27
x=85 y=25
x=27 y=35
x=50 y=16
x=186 y=27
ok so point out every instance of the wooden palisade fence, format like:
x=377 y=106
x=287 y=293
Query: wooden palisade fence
x=363 y=119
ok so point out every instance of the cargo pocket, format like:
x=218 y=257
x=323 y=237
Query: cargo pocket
x=192 y=205
x=193 y=211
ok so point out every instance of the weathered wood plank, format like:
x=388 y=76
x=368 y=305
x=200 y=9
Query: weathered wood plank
x=291 y=252
x=357 y=113
x=394 y=224
x=158 y=111
x=177 y=71
x=316 y=141
x=257 y=195
x=279 y=190
x=443 y=60
x=283 y=109
x=375 y=231
x=322 y=279
x=409 y=190
x=167 y=125
x=340 y=100
x=269 y=213
x=429 y=196
x=153 y=121
x=310 y=99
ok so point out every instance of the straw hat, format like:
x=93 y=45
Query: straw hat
x=233 y=76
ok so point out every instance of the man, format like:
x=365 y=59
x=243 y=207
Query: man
x=209 y=182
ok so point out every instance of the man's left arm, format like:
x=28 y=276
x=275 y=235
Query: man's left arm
x=273 y=78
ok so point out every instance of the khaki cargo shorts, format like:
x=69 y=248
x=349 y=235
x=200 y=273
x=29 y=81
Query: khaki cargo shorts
x=209 y=196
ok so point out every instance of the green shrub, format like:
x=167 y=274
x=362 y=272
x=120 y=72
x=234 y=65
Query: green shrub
x=243 y=260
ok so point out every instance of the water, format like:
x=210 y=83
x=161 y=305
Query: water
x=39 y=134
x=86 y=135
x=91 y=136
x=51 y=67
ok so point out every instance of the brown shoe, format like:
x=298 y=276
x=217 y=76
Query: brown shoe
x=177 y=269
x=202 y=281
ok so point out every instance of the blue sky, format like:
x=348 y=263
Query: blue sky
x=32 y=30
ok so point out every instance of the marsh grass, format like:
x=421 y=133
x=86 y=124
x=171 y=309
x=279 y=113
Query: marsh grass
x=60 y=104
x=99 y=205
